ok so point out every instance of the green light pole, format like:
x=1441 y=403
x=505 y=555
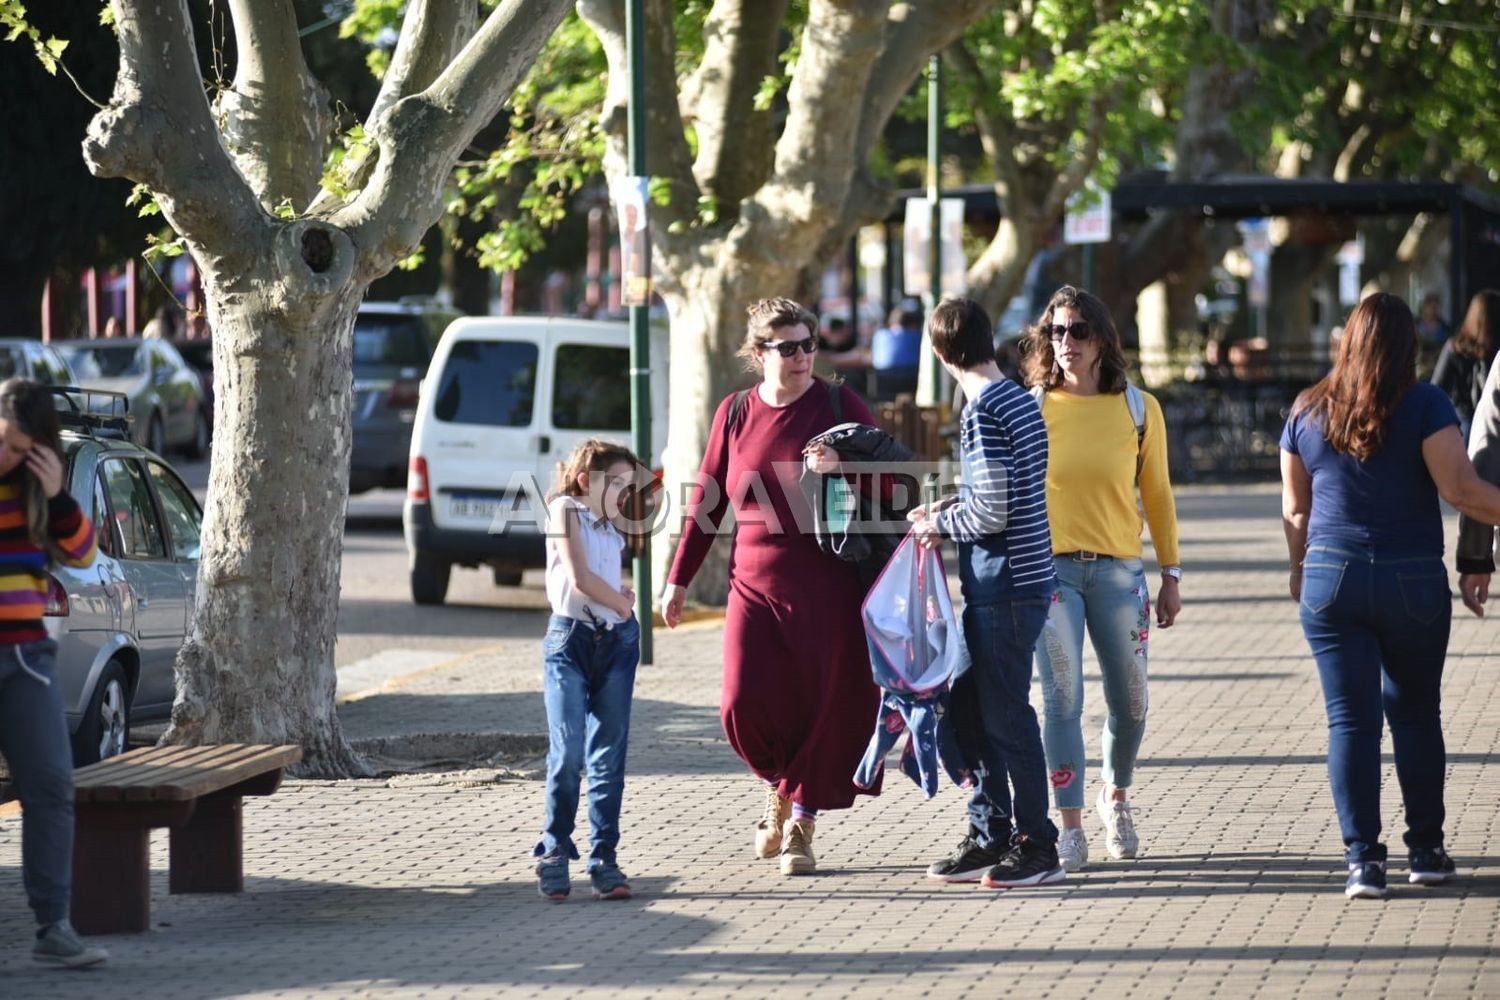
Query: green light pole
x=933 y=393
x=640 y=328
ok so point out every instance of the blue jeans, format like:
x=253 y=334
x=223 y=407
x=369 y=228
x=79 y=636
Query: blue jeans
x=1111 y=597
x=588 y=677
x=997 y=726
x=1378 y=627
x=34 y=740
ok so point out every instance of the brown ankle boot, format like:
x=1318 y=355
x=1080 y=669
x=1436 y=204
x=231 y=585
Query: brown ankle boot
x=796 y=848
x=768 y=830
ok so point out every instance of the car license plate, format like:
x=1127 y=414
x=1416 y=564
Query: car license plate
x=474 y=507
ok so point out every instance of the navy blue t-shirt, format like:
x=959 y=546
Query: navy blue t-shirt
x=1388 y=500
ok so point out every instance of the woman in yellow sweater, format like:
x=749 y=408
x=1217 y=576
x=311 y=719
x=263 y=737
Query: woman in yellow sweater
x=1105 y=439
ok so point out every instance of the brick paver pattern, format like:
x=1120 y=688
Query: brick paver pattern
x=421 y=885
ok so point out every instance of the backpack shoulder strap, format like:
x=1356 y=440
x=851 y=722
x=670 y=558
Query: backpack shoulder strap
x=736 y=408
x=1038 y=393
x=1136 y=401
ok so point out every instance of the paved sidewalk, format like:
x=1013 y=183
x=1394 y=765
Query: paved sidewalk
x=420 y=885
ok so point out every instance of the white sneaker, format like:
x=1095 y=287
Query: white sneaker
x=1072 y=850
x=1121 y=841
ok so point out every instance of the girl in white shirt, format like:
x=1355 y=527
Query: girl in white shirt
x=590 y=652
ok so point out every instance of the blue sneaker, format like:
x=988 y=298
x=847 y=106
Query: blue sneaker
x=1366 y=881
x=552 y=876
x=608 y=881
x=1430 y=866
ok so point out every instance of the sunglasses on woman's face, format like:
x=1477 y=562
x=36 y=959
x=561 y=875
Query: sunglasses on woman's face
x=789 y=348
x=1078 y=330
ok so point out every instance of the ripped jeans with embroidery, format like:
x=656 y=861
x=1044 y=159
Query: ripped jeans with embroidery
x=1110 y=597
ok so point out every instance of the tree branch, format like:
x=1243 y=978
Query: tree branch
x=667 y=154
x=421 y=137
x=433 y=32
x=995 y=127
x=158 y=129
x=813 y=163
x=734 y=139
x=275 y=116
x=1071 y=179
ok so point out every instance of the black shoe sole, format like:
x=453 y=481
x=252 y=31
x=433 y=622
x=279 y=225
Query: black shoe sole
x=969 y=876
x=1040 y=878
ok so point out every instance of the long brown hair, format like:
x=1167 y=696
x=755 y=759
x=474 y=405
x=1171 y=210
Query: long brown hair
x=594 y=455
x=1376 y=368
x=1038 y=363
x=1479 y=334
x=30 y=406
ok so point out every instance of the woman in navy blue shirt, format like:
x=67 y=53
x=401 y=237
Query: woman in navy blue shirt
x=1365 y=455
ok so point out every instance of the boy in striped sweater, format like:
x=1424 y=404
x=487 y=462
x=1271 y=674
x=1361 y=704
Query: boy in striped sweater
x=39 y=524
x=1005 y=567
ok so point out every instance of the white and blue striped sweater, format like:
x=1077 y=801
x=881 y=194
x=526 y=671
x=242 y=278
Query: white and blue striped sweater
x=1000 y=519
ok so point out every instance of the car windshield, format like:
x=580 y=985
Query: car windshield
x=10 y=362
x=112 y=361
x=388 y=342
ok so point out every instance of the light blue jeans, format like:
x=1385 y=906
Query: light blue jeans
x=1110 y=597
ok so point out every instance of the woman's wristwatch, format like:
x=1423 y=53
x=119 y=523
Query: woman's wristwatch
x=1175 y=572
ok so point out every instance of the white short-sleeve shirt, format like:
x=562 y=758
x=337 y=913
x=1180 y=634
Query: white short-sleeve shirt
x=602 y=548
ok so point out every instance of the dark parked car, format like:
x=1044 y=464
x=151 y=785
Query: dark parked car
x=120 y=622
x=393 y=344
x=199 y=354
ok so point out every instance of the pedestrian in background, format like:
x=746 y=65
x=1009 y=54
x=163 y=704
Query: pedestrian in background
x=1106 y=443
x=39 y=523
x=589 y=656
x=1464 y=363
x=1365 y=455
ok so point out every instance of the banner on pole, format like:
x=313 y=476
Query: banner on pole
x=916 y=244
x=631 y=203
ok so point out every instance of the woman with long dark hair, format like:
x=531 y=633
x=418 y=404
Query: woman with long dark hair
x=1464 y=363
x=1107 y=444
x=1365 y=455
x=39 y=524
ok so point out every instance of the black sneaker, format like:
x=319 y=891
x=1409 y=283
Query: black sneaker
x=1366 y=881
x=1028 y=863
x=967 y=863
x=1430 y=866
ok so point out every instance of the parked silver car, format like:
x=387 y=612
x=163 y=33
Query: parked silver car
x=120 y=622
x=34 y=360
x=166 y=396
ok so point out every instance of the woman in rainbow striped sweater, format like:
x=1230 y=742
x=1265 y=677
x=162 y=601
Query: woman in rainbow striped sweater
x=39 y=524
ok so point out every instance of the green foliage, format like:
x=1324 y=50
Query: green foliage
x=343 y=158
x=143 y=196
x=161 y=247
x=13 y=22
x=1041 y=74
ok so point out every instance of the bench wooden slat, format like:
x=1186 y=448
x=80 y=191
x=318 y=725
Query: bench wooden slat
x=101 y=772
x=180 y=776
x=154 y=766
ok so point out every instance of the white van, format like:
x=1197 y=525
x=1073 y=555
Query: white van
x=505 y=400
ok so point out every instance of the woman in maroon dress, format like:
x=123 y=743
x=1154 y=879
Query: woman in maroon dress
x=798 y=701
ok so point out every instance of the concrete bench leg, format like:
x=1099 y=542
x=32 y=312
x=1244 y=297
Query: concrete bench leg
x=111 y=879
x=207 y=850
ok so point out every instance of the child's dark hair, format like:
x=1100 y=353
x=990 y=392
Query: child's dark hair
x=594 y=455
x=31 y=408
x=961 y=333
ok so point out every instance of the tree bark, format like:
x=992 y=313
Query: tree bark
x=282 y=296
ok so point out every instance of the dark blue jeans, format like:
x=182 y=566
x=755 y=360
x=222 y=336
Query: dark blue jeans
x=34 y=740
x=997 y=726
x=588 y=678
x=1378 y=627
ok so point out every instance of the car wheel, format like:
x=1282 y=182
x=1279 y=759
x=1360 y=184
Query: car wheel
x=429 y=578
x=507 y=577
x=198 y=447
x=105 y=730
x=156 y=435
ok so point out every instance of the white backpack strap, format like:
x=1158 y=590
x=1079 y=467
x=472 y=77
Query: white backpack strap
x=1038 y=393
x=1136 y=401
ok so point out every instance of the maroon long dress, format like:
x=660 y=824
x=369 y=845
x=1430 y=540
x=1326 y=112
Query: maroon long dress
x=799 y=702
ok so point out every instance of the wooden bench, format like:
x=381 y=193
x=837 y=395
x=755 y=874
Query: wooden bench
x=196 y=792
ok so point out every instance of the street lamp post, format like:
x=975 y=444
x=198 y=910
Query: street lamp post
x=640 y=330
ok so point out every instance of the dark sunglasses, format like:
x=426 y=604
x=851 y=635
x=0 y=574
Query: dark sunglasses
x=1078 y=330
x=789 y=348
